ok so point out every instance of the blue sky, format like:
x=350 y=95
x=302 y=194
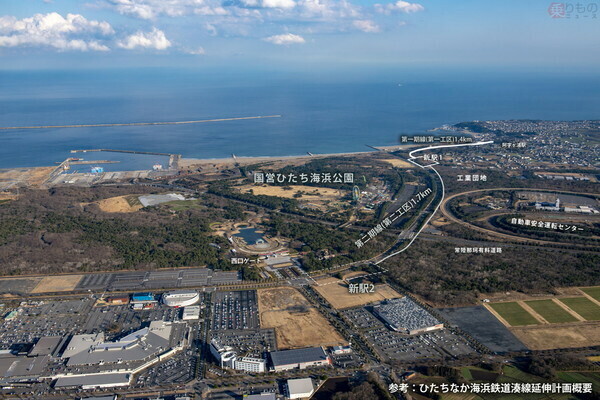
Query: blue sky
x=301 y=34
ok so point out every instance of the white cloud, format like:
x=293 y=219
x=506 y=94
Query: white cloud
x=155 y=39
x=285 y=39
x=366 y=25
x=199 y=51
x=278 y=4
x=266 y=4
x=399 y=6
x=73 y=32
x=328 y=9
x=150 y=9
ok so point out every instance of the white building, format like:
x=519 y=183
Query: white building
x=338 y=350
x=180 y=298
x=227 y=358
x=223 y=354
x=300 y=388
x=251 y=364
x=191 y=313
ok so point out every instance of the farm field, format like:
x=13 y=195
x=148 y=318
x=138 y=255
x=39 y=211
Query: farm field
x=583 y=306
x=563 y=336
x=514 y=314
x=296 y=322
x=336 y=293
x=592 y=292
x=551 y=311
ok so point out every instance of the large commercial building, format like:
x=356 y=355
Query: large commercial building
x=299 y=358
x=137 y=346
x=404 y=315
x=180 y=298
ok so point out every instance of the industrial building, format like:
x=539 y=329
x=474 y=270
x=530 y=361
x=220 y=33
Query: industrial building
x=180 y=298
x=300 y=388
x=404 y=315
x=299 y=358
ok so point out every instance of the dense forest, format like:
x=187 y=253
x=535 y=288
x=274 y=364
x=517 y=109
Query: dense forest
x=61 y=230
x=459 y=278
x=319 y=240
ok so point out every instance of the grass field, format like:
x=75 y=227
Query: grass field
x=551 y=311
x=592 y=292
x=581 y=377
x=183 y=205
x=583 y=306
x=514 y=314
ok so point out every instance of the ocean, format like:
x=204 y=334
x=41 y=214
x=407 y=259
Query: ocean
x=317 y=115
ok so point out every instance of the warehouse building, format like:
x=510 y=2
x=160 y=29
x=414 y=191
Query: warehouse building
x=299 y=358
x=300 y=388
x=404 y=315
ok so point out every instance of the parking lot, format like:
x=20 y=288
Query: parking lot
x=255 y=341
x=179 y=369
x=150 y=280
x=401 y=347
x=235 y=310
x=69 y=317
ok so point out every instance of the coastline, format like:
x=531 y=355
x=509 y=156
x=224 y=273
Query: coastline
x=247 y=160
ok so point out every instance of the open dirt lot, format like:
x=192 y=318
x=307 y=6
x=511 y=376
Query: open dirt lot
x=24 y=176
x=559 y=336
x=336 y=293
x=297 y=323
x=120 y=204
x=310 y=192
x=396 y=162
x=60 y=283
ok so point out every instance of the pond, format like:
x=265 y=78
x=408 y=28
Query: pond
x=250 y=236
